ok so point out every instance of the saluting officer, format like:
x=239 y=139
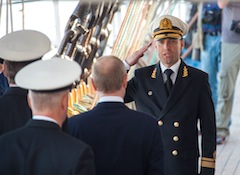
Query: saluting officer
x=178 y=96
x=18 y=49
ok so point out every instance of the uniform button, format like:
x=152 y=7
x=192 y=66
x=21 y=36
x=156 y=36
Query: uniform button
x=174 y=152
x=160 y=122
x=175 y=138
x=176 y=124
x=150 y=93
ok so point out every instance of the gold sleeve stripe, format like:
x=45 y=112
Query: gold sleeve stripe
x=208 y=164
x=208 y=159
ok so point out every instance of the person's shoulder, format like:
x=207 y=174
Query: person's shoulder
x=145 y=71
x=74 y=142
x=80 y=118
x=12 y=135
x=146 y=68
x=2 y=97
x=197 y=72
x=141 y=116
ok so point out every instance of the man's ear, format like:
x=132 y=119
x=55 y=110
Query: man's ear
x=29 y=101
x=182 y=44
x=4 y=70
x=64 y=101
x=93 y=84
x=154 y=44
x=125 y=80
x=1 y=67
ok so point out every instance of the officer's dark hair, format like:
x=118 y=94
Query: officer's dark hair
x=1 y=61
x=12 y=67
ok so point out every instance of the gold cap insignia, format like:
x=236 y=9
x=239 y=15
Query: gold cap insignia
x=154 y=73
x=167 y=30
x=185 y=72
x=165 y=24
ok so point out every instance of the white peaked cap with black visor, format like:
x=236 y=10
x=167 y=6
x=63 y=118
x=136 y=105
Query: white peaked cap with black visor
x=167 y=26
x=49 y=75
x=24 y=45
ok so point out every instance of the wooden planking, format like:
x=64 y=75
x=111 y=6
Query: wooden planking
x=228 y=154
x=237 y=171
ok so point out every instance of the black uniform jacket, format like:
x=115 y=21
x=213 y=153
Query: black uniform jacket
x=124 y=141
x=41 y=148
x=14 y=109
x=189 y=102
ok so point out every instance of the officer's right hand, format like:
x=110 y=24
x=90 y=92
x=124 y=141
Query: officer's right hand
x=133 y=59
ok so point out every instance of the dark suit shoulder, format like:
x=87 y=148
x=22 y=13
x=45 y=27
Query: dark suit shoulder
x=74 y=142
x=141 y=116
x=197 y=74
x=197 y=71
x=145 y=69
x=78 y=117
x=34 y=132
x=105 y=112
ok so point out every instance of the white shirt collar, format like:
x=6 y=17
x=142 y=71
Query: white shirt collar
x=174 y=68
x=110 y=99
x=13 y=85
x=45 y=118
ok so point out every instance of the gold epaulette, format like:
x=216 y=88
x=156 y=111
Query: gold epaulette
x=208 y=162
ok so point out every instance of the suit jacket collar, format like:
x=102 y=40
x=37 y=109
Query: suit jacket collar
x=42 y=124
x=16 y=90
x=110 y=105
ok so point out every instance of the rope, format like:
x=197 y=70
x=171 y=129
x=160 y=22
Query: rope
x=116 y=46
x=130 y=29
x=138 y=28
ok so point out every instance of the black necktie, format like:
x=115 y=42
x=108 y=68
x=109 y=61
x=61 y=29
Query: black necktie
x=168 y=83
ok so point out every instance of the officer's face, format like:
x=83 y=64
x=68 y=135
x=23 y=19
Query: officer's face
x=169 y=50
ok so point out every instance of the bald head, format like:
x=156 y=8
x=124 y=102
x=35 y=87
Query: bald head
x=108 y=74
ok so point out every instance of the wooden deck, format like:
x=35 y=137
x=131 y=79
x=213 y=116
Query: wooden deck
x=228 y=154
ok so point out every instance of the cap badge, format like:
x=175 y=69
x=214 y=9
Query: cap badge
x=165 y=24
x=185 y=72
x=154 y=73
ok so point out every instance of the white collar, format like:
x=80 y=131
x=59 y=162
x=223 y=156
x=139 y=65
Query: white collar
x=13 y=85
x=174 y=67
x=45 y=118
x=110 y=99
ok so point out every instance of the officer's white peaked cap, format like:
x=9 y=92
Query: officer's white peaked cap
x=168 y=26
x=24 y=45
x=48 y=75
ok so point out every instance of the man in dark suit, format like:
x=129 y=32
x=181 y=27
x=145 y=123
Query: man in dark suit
x=3 y=79
x=18 y=49
x=41 y=147
x=124 y=141
x=179 y=97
